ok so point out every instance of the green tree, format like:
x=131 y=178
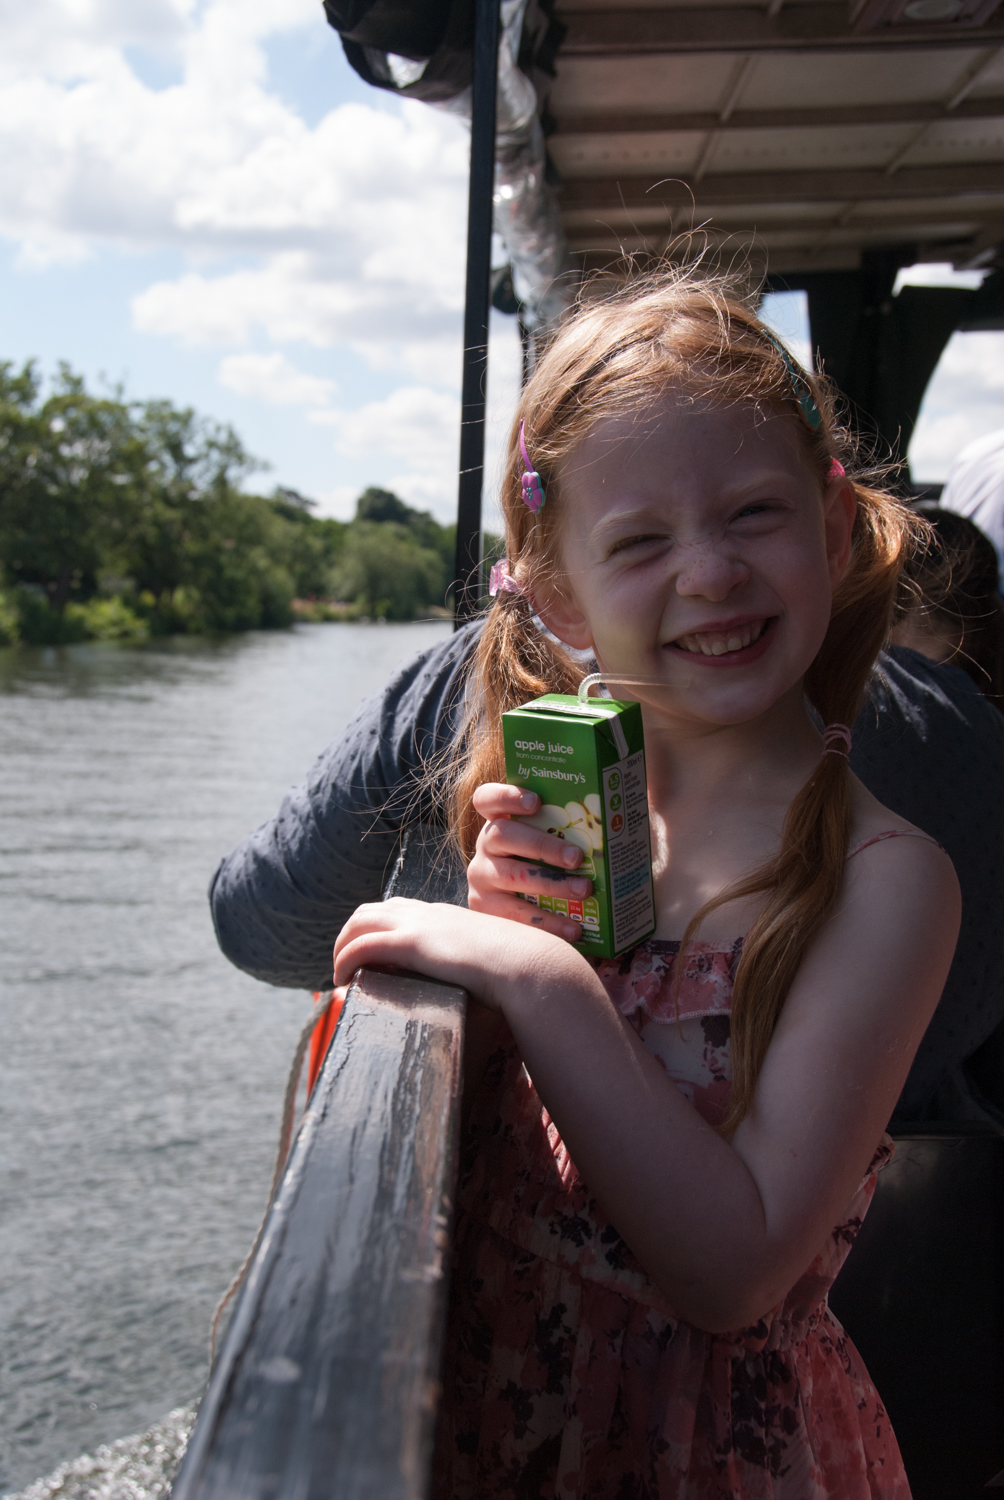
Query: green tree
x=119 y=519
x=311 y=546
x=71 y=471
x=187 y=502
x=384 y=506
x=383 y=568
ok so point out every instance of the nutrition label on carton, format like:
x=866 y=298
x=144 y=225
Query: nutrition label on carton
x=625 y=799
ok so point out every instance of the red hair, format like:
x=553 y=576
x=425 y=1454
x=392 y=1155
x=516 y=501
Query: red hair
x=691 y=335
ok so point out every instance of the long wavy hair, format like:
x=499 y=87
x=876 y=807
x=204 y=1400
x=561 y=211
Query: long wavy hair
x=692 y=335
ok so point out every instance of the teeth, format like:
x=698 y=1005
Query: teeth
x=706 y=644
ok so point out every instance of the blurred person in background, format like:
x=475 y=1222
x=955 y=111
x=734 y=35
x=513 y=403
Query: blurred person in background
x=975 y=489
x=957 y=616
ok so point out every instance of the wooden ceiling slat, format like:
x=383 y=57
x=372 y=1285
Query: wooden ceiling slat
x=916 y=111
x=776 y=126
x=747 y=28
x=957 y=179
x=917 y=225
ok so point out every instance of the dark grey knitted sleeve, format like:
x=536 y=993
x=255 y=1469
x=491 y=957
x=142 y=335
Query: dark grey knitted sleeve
x=931 y=748
x=279 y=900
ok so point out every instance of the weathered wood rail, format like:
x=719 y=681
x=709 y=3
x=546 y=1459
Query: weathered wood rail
x=327 y=1380
x=328 y=1377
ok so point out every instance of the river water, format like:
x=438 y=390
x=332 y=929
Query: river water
x=140 y=1075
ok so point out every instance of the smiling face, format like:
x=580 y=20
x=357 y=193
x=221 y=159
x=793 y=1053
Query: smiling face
x=698 y=547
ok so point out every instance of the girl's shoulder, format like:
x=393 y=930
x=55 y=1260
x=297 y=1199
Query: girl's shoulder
x=896 y=872
x=873 y=823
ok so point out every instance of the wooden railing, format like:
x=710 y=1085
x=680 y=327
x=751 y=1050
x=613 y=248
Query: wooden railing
x=327 y=1380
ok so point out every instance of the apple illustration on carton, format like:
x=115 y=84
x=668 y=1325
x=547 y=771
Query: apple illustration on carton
x=578 y=823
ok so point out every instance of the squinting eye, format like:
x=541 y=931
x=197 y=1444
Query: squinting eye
x=636 y=541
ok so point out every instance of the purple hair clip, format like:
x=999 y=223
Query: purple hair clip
x=500 y=580
x=533 y=490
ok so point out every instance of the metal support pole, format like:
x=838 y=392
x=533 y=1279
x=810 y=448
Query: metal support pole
x=526 y=349
x=479 y=251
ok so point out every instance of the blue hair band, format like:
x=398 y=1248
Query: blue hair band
x=800 y=385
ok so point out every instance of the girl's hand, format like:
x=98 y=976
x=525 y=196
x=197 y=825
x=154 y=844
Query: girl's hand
x=498 y=869
x=493 y=960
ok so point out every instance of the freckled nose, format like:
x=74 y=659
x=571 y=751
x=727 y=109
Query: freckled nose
x=710 y=573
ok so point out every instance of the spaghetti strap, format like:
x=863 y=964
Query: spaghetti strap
x=893 y=833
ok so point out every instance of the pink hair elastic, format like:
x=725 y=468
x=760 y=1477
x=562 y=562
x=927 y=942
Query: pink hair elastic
x=837 y=470
x=533 y=490
x=500 y=580
x=837 y=740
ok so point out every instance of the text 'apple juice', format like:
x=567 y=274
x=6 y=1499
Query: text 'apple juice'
x=586 y=762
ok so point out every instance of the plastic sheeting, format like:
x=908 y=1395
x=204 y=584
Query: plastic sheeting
x=526 y=211
x=526 y=215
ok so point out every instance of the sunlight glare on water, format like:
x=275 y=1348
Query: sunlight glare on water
x=140 y=1075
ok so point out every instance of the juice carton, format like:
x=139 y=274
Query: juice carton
x=586 y=761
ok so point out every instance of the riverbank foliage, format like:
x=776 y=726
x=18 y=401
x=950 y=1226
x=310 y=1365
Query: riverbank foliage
x=124 y=519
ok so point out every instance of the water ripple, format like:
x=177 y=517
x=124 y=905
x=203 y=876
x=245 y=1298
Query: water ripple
x=140 y=1075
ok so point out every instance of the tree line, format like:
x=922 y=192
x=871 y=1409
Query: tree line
x=126 y=519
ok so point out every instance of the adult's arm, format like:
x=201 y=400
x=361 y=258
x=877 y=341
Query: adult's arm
x=931 y=747
x=279 y=900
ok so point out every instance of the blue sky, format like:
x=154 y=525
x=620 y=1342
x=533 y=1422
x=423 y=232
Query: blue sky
x=202 y=201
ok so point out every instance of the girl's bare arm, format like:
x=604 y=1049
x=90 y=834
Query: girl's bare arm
x=724 y=1228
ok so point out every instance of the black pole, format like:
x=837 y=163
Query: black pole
x=479 y=253
x=526 y=349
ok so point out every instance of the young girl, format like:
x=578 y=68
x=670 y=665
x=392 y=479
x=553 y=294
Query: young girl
x=658 y=1147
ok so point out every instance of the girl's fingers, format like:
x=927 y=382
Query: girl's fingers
x=486 y=873
x=508 y=836
x=497 y=904
x=369 y=920
x=497 y=800
x=391 y=933
x=366 y=949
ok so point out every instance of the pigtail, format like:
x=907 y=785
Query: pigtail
x=803 y=881
x=514 y=662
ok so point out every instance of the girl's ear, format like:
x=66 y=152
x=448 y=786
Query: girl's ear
x=563 y=617
x=840 y=507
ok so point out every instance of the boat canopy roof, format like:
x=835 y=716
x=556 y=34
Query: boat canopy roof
x=805 y=134
x=810 y=133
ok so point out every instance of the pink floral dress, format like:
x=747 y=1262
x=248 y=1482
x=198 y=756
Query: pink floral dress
x=567 y=1374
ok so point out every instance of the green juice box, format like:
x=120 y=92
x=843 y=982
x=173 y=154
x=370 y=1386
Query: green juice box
x=586 y=762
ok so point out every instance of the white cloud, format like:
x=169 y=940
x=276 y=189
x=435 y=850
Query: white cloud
x=422 y=425
x=505 y=367
x=350 y=232
x=64 y=37
x=339 y=502
x=271 y=377
x=153 y=125
x=417 y=423
x=436 y=493
x=414 y=422
x=296 y=297
x=964 y=401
